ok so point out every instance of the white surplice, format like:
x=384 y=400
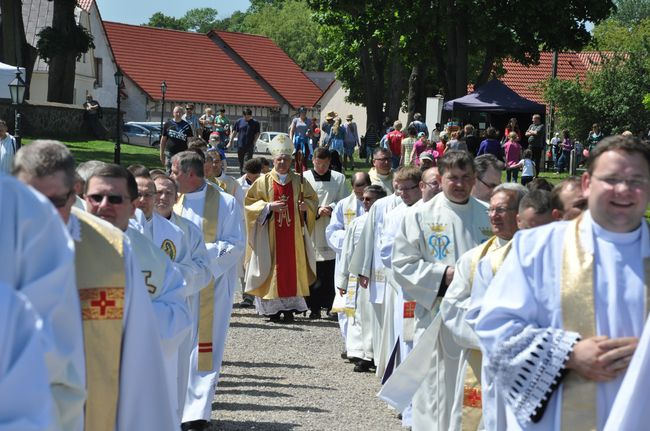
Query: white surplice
x=358 y=342
x=344 y=212
x=329 y=193
x=25 y=398
x=224 y=254
x=366 y=261
x=166 y=288
x=143 y=377
x=37 y=259
x=432 y=237
x=233 y=187
x=522 y=309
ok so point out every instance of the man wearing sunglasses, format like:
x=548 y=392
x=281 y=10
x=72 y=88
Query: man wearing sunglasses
x=121 y=341
x=488 y=176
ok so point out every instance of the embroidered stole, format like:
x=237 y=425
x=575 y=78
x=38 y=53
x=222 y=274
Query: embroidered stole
x=101 y=277
x=577 y=293
x=285 y=244
x=206 y=295
x=472 y=401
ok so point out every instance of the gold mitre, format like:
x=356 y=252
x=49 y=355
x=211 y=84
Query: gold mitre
x=281 y=145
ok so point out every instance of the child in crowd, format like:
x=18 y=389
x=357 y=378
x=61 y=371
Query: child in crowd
x=528 y=167
x=513 y=156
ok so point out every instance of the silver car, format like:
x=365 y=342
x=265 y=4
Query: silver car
x=265 y=138
x=142 y=134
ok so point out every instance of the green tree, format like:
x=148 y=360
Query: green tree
x=234 y=22
x=631 y=11
x=200 y=20
x=612 y=96
x=289 y=24
x=161 y=20
x=617 y=36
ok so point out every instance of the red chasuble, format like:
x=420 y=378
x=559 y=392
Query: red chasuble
x=285 y=244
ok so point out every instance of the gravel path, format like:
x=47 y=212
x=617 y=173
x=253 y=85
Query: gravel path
x=291 y=377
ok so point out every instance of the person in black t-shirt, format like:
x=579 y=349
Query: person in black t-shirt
x=174 y=137
x=247 y=130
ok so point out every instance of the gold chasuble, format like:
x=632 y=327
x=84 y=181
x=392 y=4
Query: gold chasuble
x=206 y=295
x=282 y=264
x=101 y=277
x=577 y=293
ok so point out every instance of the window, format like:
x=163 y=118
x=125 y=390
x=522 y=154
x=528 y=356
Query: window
x=99 y=72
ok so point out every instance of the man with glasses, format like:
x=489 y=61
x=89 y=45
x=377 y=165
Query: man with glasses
x=330 y=188
x=562 y=317
x=111 y=193
x=467 y=411
x=121 y=340
x=488 y=176
x=430 y=240
x=380 y=173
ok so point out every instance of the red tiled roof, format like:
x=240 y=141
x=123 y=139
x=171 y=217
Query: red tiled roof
x=274 y=66
x=524 y=79
x=193 y=66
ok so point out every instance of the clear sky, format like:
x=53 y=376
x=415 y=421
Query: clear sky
x=139 y=11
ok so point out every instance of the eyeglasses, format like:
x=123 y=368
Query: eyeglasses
x=60 y=201
x=433 y=184
x=488 y=185
x=112 y=199
x=365 y=199
x=147 y=195
x=632 y=184
x=406 y=189
x=383 y=159
x=499 y=210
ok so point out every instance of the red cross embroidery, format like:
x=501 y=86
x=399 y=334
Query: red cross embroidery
x=102 y=303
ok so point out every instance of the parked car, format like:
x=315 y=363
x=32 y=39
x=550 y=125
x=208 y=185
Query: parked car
x=265 y=138
x=144 y=134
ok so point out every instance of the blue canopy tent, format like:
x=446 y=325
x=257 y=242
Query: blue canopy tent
x=494 y=97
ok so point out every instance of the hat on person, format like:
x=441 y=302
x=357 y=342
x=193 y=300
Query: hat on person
x=426 y=156
x=281 y=145
x=331 y=115
x=349 y=117
x=214 y=136
x=421 y=134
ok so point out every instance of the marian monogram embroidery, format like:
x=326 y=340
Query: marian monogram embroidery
x=439 y=242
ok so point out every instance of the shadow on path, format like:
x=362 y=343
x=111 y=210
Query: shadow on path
x=264 y=408
x=245 y=364
x=238 y=383
x=264 y=326
x=252 y=392
x=230 y=425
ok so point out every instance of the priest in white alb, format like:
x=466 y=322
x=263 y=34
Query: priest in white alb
x=467 y=408
x=561 y=319
x=431 y=239
x=344 y=212
x=221 y=220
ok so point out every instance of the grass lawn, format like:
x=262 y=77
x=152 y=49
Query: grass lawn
x=104 y=151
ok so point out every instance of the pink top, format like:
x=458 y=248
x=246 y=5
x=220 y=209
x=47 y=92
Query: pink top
x=513 y=153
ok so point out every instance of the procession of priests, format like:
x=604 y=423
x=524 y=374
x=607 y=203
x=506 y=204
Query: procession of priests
x=478 y=305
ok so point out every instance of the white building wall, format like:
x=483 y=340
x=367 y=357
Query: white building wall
x=334 y=100
x=137 y=106
x=106 y=95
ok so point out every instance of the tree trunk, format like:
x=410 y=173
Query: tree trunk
x=373 y=88
x=394 y=102
x=450 y=69
x=414 y=87
x=14 y=48
x=486 y=69
x=462 y=53
x=61 y=74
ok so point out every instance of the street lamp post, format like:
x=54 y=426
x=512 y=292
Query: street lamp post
x=17 y=89
x=119 y=80
x=163 y=90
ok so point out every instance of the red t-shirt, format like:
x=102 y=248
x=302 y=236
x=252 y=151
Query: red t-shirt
x=394 y=139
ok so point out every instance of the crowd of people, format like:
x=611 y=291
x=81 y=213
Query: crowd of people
x=478 y=304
